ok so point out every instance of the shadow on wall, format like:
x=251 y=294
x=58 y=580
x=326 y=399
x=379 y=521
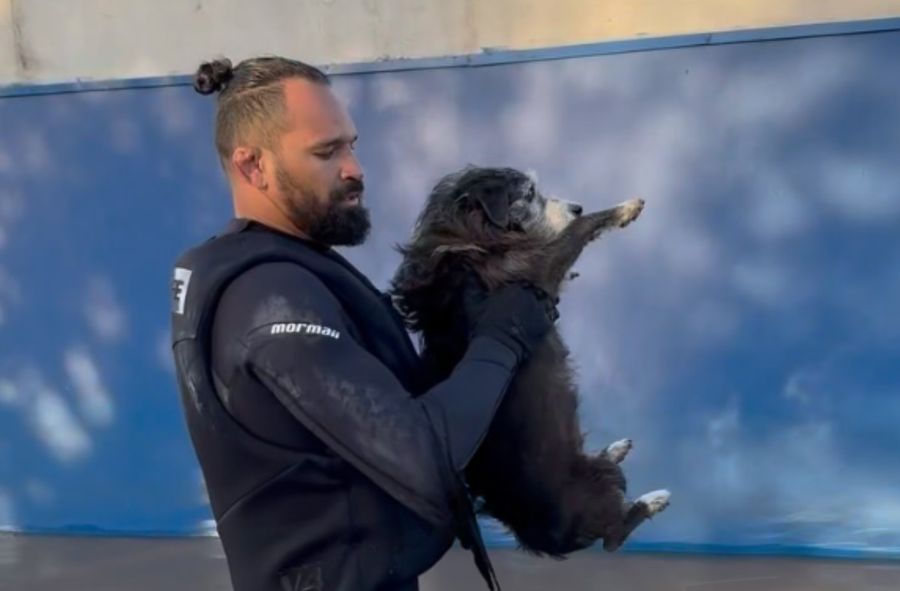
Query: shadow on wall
x=743 y=332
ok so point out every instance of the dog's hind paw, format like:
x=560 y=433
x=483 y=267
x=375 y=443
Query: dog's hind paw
x=629 y=211
x=636 y=513
x=617 y=450
x=655 y=501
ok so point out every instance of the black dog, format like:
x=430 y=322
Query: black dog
x=531 y=471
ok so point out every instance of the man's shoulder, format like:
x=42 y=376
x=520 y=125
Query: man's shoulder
x=274 y=300
x=278 y=290
x=247 y=266
x=278 y=276
x=235 y=230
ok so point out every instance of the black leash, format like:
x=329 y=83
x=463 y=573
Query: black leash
x=470 y=538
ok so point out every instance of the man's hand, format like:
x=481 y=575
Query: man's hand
x=518 y=314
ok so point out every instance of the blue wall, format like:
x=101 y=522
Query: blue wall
x=745 y=332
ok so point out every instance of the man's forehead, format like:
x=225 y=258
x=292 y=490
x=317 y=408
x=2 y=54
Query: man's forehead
x=315 y=108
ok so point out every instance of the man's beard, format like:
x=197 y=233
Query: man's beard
x=334 y=223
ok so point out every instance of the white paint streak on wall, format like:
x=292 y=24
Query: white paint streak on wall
x=103 y=311
x=94 y=401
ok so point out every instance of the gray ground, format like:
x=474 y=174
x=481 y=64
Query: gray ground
x=31 y=563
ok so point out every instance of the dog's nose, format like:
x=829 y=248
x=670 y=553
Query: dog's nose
x=575 y=208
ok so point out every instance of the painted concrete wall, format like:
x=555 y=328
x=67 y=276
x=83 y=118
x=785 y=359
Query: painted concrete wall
x=53 y=41
x=744 y=331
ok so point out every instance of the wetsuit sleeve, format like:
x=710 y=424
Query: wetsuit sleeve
x=296 y=341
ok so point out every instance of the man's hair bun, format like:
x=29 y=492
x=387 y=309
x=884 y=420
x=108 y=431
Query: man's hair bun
x=213 y=76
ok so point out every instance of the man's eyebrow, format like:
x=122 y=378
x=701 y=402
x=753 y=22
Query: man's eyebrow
x=337 y=141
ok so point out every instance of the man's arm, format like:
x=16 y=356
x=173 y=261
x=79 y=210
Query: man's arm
x=295 y=340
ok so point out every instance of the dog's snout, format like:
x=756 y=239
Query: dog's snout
x=575 y=208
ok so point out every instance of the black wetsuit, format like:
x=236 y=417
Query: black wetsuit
x=330 y=459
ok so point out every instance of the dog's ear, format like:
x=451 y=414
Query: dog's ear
x=494 y=201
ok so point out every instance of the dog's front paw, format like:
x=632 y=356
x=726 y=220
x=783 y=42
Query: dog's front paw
x=617 y=450
x=655 y=501
x=629 y=211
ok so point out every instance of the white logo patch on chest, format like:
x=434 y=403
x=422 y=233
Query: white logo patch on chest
x=180 y=283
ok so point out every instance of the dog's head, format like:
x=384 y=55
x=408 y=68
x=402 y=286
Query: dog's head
x=506 y=200
x=492 y=221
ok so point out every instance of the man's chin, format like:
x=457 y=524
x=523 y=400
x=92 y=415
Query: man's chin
x=345 y=225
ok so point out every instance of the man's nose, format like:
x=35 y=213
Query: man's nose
x=575 y=208
x=351 y=168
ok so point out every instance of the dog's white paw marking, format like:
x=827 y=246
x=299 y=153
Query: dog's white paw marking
x=617 y=450
x=656 y=501
x=629 y=211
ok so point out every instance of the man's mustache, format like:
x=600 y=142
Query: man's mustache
x=352 y=186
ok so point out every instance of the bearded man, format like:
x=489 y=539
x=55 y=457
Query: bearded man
x=333 y=461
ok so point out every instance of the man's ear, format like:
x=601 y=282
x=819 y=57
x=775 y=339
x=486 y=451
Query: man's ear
x=247 y=161
x=494 y=201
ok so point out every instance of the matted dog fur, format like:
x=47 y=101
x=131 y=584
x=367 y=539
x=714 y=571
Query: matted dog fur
x=531 y=471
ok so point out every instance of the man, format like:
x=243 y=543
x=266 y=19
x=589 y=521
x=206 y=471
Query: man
x=330 y=459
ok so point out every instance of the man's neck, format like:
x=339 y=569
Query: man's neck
x=269 y=216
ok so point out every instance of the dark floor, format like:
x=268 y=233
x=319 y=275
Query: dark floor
x=31 y=563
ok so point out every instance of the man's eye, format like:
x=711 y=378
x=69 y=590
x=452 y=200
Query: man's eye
x=325 y=155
